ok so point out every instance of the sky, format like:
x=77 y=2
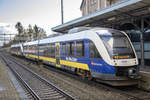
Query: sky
x=44 y=13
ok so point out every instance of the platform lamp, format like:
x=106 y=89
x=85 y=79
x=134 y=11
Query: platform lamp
x=62 y=12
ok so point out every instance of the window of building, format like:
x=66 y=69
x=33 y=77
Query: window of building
x=93 y=51
x=80 y=49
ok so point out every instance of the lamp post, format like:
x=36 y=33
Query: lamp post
x=4 y=38
x=62 y=12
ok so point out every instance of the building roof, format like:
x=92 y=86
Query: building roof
x=117 y=12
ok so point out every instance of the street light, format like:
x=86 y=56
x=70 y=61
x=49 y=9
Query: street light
x=62 y=12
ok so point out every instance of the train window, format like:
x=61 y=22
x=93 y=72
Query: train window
x=53 y=51
x=71 y=48
x=93 y=51
x=80 y=49
x=68 y=46
x=36 y=48
x=46 y=51
x=49 y=50
x=25 y=47
x=64 y=49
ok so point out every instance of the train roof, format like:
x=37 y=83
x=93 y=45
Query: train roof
x=16 y=45
x=86 y=34
x=68 y=37
x=30 y=43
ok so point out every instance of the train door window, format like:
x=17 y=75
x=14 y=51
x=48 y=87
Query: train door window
x=64 y=49
x=93 y=51
x=80 y=49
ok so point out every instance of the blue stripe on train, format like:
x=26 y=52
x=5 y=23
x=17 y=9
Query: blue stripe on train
x=100 y=66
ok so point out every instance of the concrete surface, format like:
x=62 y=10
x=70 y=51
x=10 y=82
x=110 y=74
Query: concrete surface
x=7 y=89
x=144 y=83
x=10 y=88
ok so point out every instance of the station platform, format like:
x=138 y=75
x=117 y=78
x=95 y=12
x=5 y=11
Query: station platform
x=10 y=89
x=145 y=78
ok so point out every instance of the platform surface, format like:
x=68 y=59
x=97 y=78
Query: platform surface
x=7 y=89
x=145 y=78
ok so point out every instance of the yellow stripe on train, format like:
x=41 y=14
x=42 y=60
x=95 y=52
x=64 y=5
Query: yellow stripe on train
x=74 y=64
x=63 y=62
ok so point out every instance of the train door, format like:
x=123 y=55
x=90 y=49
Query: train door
x=57 y=54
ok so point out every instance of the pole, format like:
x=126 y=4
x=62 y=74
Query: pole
x=10 y=37
x=38 y=59
x=142 y=42
x=4 y=39
x=62 y=12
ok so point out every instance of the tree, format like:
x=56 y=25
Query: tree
x=19 y=28
x=30 y=32
x=38 y=32
x=42 y=33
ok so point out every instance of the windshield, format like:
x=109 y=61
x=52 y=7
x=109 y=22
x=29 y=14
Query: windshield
x=117 y=45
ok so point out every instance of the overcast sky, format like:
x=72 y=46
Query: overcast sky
x=44 y=13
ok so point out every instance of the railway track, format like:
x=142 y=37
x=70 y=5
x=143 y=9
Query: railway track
x=133 y=93
x=38 y=87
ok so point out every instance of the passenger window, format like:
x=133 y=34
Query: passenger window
x=93 y=51
x=71 y=48
x=64 y=49
x=49 y=45
x=52 y=50
x=46 y=51
x=80 y=49
x=68 y=47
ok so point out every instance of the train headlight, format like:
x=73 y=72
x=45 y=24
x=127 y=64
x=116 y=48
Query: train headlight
x=132 y=72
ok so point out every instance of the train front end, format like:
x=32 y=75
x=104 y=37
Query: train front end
x=119 y=59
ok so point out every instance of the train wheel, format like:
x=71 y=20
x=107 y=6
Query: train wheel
x=81 y=73
x=89 y=76
x=84 y=74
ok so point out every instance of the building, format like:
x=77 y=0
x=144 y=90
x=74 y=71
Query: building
x=91 y=6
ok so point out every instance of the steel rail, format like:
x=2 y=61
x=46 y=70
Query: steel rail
x=34 y=95
x=68 y=96
x=107 y=87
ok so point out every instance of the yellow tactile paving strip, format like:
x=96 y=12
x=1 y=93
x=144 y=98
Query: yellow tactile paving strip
x=7 y=89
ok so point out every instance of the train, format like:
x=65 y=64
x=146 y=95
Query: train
x=104 y=54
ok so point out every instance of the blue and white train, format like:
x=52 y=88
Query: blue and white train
x=106 y=55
